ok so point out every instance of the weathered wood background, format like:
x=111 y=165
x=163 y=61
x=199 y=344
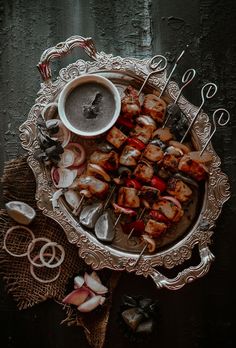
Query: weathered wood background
x=201 y=314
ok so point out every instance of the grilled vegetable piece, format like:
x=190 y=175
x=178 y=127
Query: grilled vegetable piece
x=93 y=185
x=154 y=107
x=171 y=162
x=130 y=105
x=178 y=145
x=136 y=143
x=128 y=197
x=108 y=161
x=158 y=183
x=155 y=228
x=144 y=172
x=194 y=169
x=169 y=209
x=153 y=153
x=142 y=132
x=129 y=156
x=122 y=210
x=116 y=137
x=179 y=189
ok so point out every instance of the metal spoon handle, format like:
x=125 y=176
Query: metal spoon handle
x=220 y=121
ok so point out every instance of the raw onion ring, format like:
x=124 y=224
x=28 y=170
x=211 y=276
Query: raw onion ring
x=79 y=152
x=48 y=263
x=39 y=279
x=173 y=200
x=31 y=248
x=7 y=234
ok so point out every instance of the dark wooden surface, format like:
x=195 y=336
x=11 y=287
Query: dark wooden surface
x=200 y=314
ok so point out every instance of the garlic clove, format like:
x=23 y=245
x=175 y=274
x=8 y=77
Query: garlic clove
x=94 y=285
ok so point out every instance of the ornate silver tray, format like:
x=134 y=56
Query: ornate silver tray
x=121 y=254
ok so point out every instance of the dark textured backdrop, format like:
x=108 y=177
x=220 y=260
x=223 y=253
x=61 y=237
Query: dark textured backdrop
x=201 y=314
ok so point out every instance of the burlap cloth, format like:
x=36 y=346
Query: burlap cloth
x=18 y=183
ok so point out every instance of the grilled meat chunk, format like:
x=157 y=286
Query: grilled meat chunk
x=153 y=153
x=129 y=156
x=130 y=105
x=155 y=228
x=142 y=132
x=144 y=172
x=128 y=197
x=171 y=162
x=116 y=137
x=179 y=189
x=194 y=169
x=93 y=185
x=154 y=107
x=169 y=209
x=108 y=161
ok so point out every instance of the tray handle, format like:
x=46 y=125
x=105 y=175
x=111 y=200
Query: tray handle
x=61 y=50
x=187 y=275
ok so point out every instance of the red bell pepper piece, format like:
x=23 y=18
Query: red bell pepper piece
x=122 y=121
x=158 y=183
x=138 y=144
x=133 y=183
x=137 y=225
x=156 y=215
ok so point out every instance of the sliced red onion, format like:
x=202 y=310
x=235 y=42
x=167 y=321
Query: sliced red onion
x=67 y=159
x=90 y=304
x=76 y=297
x=66 y=177
x=94 y=285
x=78 y=151
x=173 y=200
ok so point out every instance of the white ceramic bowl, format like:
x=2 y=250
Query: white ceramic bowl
x=78 y=82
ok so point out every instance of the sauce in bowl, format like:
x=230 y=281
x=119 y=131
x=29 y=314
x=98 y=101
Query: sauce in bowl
x=89 y=105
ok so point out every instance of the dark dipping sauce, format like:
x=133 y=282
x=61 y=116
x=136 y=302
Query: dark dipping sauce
x=90 y=107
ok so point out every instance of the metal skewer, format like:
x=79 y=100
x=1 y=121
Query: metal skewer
x=158 y=68
x=141 y=254
x=211 y=91
x=139 y=217
x=187 y=77
x=172 y=71
x=220 y=122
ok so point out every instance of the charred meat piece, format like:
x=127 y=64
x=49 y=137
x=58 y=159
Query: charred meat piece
x=93 y=185
x=194 y=169
x=129 y=156
x=142 y=132
x=155 y=228
x=163 y=134
x=144 y=172
x=169 y=209
x=128 y=197
x=171 y=162
x=108 y=161
x=179 y=189
x=149 y=195
x=153 y=153
x=154 y=107
x=130 y=105
x=116 y=137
